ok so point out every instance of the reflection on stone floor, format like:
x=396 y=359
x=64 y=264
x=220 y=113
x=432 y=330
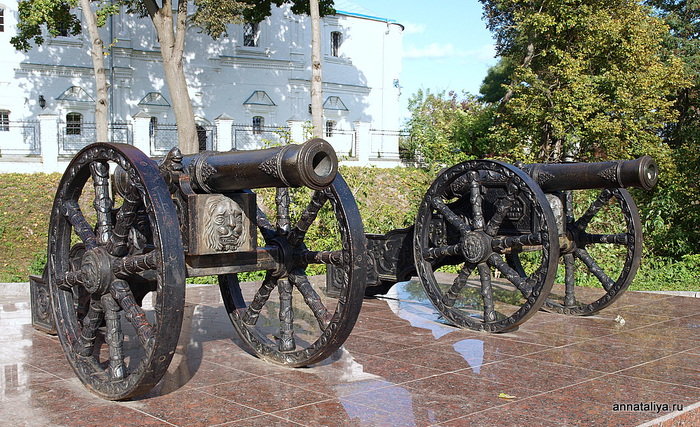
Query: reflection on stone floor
x=402 y=365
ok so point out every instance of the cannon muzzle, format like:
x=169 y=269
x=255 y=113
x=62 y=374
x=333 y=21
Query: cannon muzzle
x=640 y=173
x=312 y=164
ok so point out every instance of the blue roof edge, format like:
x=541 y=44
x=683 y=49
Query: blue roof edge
x=360 y=15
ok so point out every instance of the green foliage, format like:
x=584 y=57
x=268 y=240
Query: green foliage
x=214 y=16
x=676 y=205
x=260 y=9
x=35 y=16
x=447 y=129
x=497 y=79
x=591 y=78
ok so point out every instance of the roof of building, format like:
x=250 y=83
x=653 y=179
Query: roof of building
x=349 y=8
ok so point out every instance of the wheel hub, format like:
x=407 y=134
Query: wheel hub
x=97 y=267
x=476 y=247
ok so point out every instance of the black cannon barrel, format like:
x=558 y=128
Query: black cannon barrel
x=641 y=173
x=312 y=164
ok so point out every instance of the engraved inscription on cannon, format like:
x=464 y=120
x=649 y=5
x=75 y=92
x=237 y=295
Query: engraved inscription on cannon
x=222 y=224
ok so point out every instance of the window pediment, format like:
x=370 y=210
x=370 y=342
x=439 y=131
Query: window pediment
x=334 y=103
x=259 y=97
x=154 y=99
x=75 y=94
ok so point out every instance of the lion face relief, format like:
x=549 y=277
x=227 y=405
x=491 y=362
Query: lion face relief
x=223 y=229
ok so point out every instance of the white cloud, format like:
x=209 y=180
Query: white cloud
x=433 y=50
x=484 y=53
x=411 y=28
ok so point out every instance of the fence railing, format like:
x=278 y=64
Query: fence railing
x=164 y=137
x=20 y=138
x=73 y=138
x=248 y=137
x=384 y=143
x=344 y=142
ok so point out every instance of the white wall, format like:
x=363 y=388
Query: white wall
x=221 y=74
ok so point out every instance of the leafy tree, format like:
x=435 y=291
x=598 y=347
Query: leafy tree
x=447 y=128
x=55 y=17
x=676 y=210
x=588 y=77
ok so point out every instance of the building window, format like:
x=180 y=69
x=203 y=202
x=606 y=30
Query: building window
x=250 y=35
x=202 y=137
x=4 y=121
x=74 y=124
x=330 y=127
x=2 y=20
x=336 y=41
x=258 y=123
x=152 y=127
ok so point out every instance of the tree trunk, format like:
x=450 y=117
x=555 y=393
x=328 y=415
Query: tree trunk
x=98 y=65
x=316 y=81
x=171 y=37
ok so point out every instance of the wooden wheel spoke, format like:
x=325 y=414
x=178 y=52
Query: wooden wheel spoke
x=282 y=203
x=459 y=283
x=114 y=338
x=450 y=216
x=486 y=292
x=475 y=198
x=134 y=264
x=501 y=210
x=103 y=203
x=602 y=199
x=72 y=211
x=72 y=279
x=307 y=217
x=264 y=224
x=92 y=320
x=614 y=239
x=286 y=340
x=594 y=268
x=502 y=244
x=322 y=257
x=134 y=314
x=252 y=312
x=301 y=282
x=439 y=252
x=569 y=280
x=126 y=218
x=510 y=274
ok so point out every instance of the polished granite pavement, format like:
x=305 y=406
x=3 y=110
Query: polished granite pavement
x=401 y=366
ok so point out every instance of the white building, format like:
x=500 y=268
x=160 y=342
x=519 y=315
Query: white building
x=248 y=89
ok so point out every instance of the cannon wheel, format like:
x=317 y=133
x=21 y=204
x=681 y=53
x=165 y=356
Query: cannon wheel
x=303 y=326
x=473 y=241
x=105 y=275
x=619 y=229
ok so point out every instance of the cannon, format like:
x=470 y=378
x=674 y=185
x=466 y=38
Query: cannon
x=512 y=227
x=125 y=232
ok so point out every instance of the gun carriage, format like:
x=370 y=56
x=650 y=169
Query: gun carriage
x=511 y=226
x=145 y=227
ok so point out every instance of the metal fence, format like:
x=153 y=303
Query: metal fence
x=384 y=144
x=122 y=132
x=72 y=139
x=164 y=137
x=20 y=138
x=248 y=137
x=344 y=142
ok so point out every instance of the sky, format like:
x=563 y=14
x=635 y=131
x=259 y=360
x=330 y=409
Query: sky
x=446 y=45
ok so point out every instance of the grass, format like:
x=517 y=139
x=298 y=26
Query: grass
x=387 y=198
